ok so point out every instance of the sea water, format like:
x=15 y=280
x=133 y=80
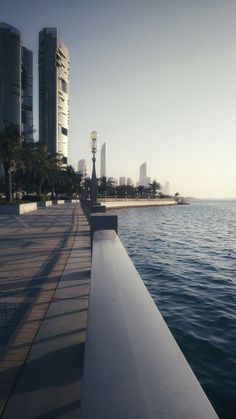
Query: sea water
x=186 y=256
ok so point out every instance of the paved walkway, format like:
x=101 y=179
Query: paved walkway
x=44 y=285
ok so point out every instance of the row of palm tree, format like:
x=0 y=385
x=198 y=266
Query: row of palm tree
x=107 y=187
x=30 y=167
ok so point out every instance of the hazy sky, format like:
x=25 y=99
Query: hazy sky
x=155 y=78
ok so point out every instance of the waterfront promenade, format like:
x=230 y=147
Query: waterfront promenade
x=45 y=287
x=45 y=266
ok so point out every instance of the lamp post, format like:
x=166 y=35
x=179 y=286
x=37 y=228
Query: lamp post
x=93 y=189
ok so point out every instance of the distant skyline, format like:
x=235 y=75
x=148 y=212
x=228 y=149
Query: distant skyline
x=155 y=78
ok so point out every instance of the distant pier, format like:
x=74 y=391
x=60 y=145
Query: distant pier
x=116 y=203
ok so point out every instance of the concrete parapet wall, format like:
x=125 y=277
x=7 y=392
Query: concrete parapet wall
x=44 y=204
x=100 y=221
x=18 y=209
x=99 y=208
x=133 y=367
x=59 y=201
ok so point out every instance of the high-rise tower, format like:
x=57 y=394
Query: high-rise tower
x=16 y=81
x=10 y=75
x=82 y=167
x=104 y=160
x=53 y=92
x=143 y=178
x=142 y=172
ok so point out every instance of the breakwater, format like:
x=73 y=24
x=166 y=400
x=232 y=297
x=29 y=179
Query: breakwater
x=135 y=203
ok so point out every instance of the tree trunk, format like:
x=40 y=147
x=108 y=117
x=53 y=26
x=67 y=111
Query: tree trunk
x=39 y=187
x=69 y=190
x=8 y=186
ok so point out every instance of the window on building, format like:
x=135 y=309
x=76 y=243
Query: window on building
x=64 y=131
x=64 y=85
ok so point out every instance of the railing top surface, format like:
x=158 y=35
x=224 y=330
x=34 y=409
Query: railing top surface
x=133 y=366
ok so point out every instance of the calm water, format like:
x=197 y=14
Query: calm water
x=186 y=256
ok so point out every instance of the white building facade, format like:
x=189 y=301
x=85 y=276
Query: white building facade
x=82 y=167
x=54 y=61
x=104 y=160
x=166 y=189
x=122 y=181
x=144 y=180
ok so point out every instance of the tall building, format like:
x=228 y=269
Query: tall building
x=82 y=166
x=16 y=81
x=143 y=178
x=166 y=188
x=104 y=160
x=10 y=74
x=130 y=181
x=142 y=171
x=113 y=181
x=27 y=93
x=53 y=92
x=122 y=181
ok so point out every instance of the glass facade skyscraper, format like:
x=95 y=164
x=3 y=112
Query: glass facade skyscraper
x=16 y=81
x=10 y=74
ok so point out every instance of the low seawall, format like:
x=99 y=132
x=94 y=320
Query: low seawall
x=133 y=368
x=135 y=203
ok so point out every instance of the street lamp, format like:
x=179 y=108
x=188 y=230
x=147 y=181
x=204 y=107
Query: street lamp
x=93 y=188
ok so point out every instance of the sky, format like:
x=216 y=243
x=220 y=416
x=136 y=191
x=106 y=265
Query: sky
x=155 y=78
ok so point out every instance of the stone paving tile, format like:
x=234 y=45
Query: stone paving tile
x=50 y=381
x=29 y=274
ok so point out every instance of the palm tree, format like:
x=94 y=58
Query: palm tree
x=155 y=186
x=39 y=164
x=85 y=189
x=103 y=185
x=72 y=180
x=140 y=190
x=177 y=196
x=121 y=191
x=131 y=191
x=10 y=143
x=111 y=187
